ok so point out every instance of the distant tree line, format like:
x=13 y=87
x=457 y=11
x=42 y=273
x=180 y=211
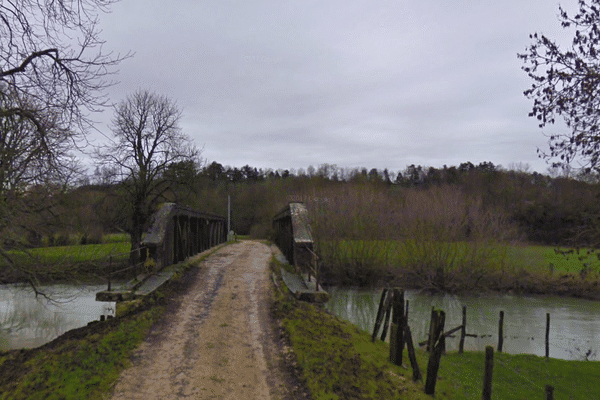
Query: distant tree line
x=550 y=209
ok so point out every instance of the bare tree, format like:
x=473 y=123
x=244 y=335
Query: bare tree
x=52 y=73
x=566 y=83
x=51 y=54
x=148 y=141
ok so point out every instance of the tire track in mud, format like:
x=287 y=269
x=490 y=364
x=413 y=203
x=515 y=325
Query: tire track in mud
x=212 y=347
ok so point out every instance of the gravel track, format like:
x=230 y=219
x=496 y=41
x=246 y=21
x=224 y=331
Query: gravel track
x=220 y=342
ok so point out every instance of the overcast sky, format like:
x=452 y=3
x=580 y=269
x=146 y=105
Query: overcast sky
x=385 y=84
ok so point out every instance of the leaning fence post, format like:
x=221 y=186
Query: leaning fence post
x=547 y=335
x=500 y=332
x=431 y=340
x=386 y=319
x=439 y=343
x=463 y=330
x=487 y=376
x=379 y=315
x=411 y=354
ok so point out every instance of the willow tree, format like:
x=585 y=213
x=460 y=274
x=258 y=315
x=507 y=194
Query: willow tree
x=148 y=142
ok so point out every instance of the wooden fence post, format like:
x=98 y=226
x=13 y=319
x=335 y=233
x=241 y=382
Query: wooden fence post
x=379 y=315
x=547 y=335
x=463 y=330
x=430 y=341
x=439 y=319
x=411 y=354
x=386 y=319
x=501 y=332
x=549 y=392
x=487 y=376
x=397 y=322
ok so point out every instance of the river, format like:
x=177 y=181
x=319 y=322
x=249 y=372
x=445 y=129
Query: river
x=28 y=322
x=574 y=323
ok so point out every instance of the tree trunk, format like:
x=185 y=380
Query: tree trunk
x=139 y=221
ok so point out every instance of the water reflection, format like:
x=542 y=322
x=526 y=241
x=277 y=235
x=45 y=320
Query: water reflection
x=27 y=321
x=574 y=325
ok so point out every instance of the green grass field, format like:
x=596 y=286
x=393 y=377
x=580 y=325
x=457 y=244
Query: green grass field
x=533 y=259
x=76 y=254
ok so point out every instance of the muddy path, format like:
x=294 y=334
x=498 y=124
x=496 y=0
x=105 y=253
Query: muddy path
x=219 y=342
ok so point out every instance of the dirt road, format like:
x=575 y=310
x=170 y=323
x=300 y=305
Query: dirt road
x=219 y=343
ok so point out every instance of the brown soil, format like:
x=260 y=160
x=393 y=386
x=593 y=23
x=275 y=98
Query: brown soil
x=220 y=341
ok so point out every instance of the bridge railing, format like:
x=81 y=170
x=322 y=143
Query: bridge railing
x=178 y=232
x=294 y=238
x=134 y=267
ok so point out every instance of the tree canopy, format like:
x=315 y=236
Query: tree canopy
x=566 y=83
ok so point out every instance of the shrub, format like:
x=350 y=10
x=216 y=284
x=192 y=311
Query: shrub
x=440 y=237
x=93 y=237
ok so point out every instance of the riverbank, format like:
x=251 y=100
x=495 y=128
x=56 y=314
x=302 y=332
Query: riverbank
x=320 y=353
x=206 y=331
x=463 y=267
x=337 y=360
x=85 y=362
x=90 y=263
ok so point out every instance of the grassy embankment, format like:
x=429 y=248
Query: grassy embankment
x=337 y=361
x=84 y=363
x=463 y=266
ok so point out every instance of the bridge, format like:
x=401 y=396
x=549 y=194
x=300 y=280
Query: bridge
x=294 y=238
x=178 y=232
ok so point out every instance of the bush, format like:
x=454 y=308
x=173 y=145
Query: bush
x=440 y=237
x=93 y=237
x=62 y=239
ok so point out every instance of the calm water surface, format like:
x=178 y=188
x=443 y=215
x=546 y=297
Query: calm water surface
x=574 y=323
x=28 y=322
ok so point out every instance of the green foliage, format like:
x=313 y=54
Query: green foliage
x=465 y=266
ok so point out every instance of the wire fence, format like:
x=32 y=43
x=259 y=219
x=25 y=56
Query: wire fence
x=436 y=345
